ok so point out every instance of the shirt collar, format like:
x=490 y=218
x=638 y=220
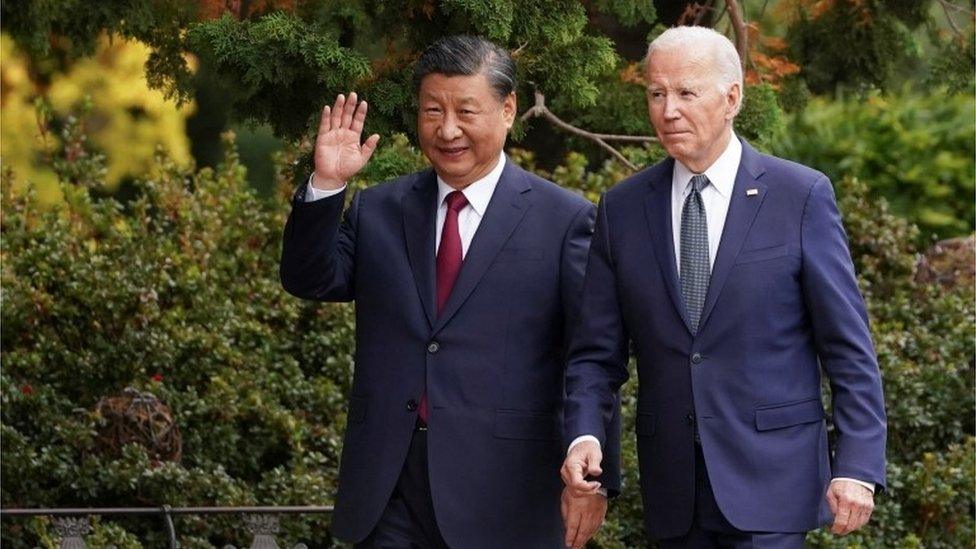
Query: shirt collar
x=478 y=193
x=721 y=174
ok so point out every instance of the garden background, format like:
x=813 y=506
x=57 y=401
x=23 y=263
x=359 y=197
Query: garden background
x=149 y=148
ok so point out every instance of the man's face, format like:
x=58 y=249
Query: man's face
x=689 y=112
x=462 y=126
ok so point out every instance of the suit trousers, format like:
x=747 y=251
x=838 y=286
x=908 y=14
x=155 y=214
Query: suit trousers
x=710 y=529
x=408 y=520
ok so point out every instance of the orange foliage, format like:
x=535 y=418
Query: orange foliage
x=815 y=9
x=633 y=74
x=769 y=69
x=767 y=60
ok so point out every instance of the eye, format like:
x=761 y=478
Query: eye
x=432 y=111
x=688 y=94
x=467 y=112
x=656 y=94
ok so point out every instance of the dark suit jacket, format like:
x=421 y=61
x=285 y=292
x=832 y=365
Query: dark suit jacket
x=782 y=303
x=493 y=360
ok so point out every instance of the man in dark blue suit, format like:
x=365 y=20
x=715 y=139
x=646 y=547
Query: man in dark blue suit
x=466 y=279
x=729 y=272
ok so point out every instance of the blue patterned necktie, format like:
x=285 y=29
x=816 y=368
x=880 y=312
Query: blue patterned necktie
x=695 y=268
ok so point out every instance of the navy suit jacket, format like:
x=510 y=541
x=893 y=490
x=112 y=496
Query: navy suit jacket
x=782 y=303
x=493 y=360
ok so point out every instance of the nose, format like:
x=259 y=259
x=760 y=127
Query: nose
x=671 y=108
x=449 y=129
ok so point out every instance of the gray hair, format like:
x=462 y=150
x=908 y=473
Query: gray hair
x=724 y=56
x=465 y=55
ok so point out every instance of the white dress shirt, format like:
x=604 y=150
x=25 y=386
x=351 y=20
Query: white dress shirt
x=478 y=195
x=716 y=197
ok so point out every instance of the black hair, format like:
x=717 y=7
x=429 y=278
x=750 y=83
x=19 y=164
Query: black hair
x=465 y=55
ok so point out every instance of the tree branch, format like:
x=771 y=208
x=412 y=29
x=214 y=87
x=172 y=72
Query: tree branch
x=945 y=8
x=741 y=32
x=540 y=110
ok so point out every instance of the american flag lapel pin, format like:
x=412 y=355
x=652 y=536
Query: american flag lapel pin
x=752 y=192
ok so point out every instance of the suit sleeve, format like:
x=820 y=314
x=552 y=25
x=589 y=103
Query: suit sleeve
x=318 y=251
x=597 y=361
x=575 y=250
x=843 y=340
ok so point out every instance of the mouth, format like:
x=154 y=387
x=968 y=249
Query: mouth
x=452 y=152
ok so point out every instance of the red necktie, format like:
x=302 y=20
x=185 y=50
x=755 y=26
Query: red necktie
x=448 y=263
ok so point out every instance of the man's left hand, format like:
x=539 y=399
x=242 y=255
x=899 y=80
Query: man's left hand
x=851 y=505
x=582 y=516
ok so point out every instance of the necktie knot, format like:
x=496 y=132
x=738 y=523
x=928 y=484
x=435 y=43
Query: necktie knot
x=456 y=201
x=699 y=182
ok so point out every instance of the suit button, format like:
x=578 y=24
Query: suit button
x=691 y=419
x=433 y=347
x=411 y=405
x=696 y=358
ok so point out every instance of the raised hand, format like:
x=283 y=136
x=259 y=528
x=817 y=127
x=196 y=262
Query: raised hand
x=338 y=153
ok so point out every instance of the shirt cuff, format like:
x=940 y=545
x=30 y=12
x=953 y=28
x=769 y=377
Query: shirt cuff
x=581 y=438
x=868 y=485
x=314 y=194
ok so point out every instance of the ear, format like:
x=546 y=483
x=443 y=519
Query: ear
x=509 y=108
x=733 y=99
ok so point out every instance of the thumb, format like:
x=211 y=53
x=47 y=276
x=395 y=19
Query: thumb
x=593 y=460
x=369 y=146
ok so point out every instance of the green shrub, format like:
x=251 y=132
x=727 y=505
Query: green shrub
x=919 y=152
x=177 y=293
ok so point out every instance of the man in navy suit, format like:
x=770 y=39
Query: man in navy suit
x=729 y=272
x=466 y=279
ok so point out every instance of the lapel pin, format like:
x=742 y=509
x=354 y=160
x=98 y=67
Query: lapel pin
x=752 y=192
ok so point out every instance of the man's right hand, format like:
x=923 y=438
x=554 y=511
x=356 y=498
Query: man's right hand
x=583 y=460
x=338 y=154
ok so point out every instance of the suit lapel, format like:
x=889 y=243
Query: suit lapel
x=419 y=214
x=742 y=212
x=657 y=210
x=507 y=206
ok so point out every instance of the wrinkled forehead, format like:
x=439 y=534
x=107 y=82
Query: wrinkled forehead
x=674 y=67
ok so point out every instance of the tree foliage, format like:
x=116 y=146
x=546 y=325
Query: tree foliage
x=863 y=44
x=175 y=290
x=915 y=150
x=126 y=120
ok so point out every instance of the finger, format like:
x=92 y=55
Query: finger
x=565 y=475
x=865 y=518
x=587 y=529
x=336 y=118
x=594 y=469
x=359 y=117
x=572 y=529
x=841 y=521
x=588 y=489
x=348 y=110
x=326 y=121
x=584 y=534
x=858 y=519
x=579 y=485
x=369 y=146
x=832 y=501
x=593 y=459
